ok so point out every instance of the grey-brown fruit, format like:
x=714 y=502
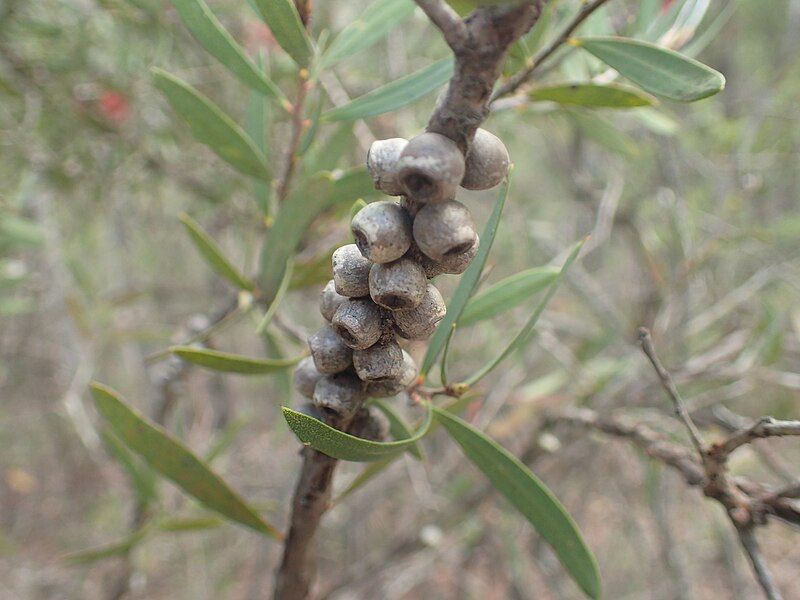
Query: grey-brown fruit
x=380 y=361
x=430 y=168
x=341 y=394
x=382 y=162
x=487 y=162
x=420 y=322
x=371 y=424
x=392 y=387
x=358 y=323
x=444 y=229
x=307 y=408
x=351 y=272
x=397 y=285
x=455 y=264
x=330 y=352
x=382 y=231
x=306 y=377
x=330 y=300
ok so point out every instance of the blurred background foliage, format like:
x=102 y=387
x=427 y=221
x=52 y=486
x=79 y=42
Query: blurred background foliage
x=696 y=234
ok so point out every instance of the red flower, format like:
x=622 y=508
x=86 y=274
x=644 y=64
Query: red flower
x=114 y=107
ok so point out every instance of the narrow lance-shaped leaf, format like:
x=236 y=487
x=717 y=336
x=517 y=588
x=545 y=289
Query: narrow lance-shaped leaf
x=376 y=21
x=394 y=95
x=506 y=294
x=343 y=446
x=110 y=550
x=530 y=497
x=232 y=363
x=207 y=30
x=142 y=477
x=286 y=26
x=212 y=127
x=175 y=461
x=398 y=428
x=657 y=70
x=213 y=255
x=610 y=95
x=322 y=191
x=524 y=335
x=467 y=284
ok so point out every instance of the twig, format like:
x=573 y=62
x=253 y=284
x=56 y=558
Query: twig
x=666 y=381
x=763 y=428
x=298 y=125
x=453 y=29
x=763 y=574
x=526 y=74
x=791 y=490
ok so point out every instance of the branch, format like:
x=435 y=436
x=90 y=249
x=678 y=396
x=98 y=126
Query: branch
x=446 y=20
x=762 y=572
x=526 y=74
x=763 y=428
x=666 y=381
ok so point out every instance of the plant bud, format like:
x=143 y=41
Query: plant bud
x=392 y=387
x=330 y=300
x=351 y=272
x=431 y=167
x=329 y=351
x=358 y=323
x=444 y=229
x=487 y=162
x=382 y=160
x=420 y=322
x=306 y=377
x=341 y=394
x=455 y=264
x=380 y=361
x=371 y=424
x=382 y=231
x=398 y=284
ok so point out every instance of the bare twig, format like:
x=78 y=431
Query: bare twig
x=763 y=428
x=298 y=125
x=525 y=75
x=763 y=574
x=666 y=381
x=790 y=490
x=453 y=29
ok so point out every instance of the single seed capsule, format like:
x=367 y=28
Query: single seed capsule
x=330 y=300
x=487 y=162
x=382 y=160
x=382 y=231
x=371 y=424
x=392 y=387
x=358 y=323
x=420 y=322
x=455 y=264
x=430 y=168
x=340 y=394
x=398 y=284
x=307 y=408
x=444 y=229
x=306 y=377
x=350 y=272
x=330 y=352
x=380 y=361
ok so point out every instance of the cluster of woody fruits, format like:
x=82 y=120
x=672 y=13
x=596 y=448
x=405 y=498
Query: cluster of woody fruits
x=380 y=293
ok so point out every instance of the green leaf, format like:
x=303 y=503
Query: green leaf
x=394 y=95
x=370 y=471
x=118 y=548
x=467 y=284
x=231 y=363
x=657 y=70
x=603 y=132
x=611 y=95
x=212 y=127
x=213 y=255
x=322 y=191
x=285 y=25
x=272 y=309
x=530 y=497
x=506 y=294
x=175 y=461
x=344 y=446
x=378 y=19
x=398 y=428
x=187 y=525
x=142 y=477
x=525 y=333
x=656 y=121
x=207 y=30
